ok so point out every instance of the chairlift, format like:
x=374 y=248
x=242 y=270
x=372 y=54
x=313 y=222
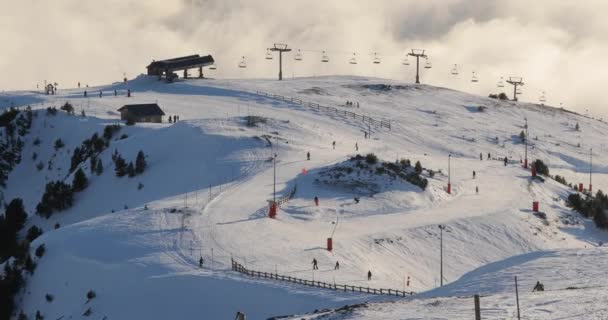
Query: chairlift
x=518 y=91
x=242 y=64
x=405 y=61
x=353 y=60
x=501 y=83
x=376 y=59
x=213 y=67
x=324 y=57
x=474 y=78
x=427 y=65
x=542 y=98
x=298 y=56
x=455 y=70
x=268 y=54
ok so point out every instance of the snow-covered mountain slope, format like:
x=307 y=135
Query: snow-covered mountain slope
x=209 y=178
x=574 y=282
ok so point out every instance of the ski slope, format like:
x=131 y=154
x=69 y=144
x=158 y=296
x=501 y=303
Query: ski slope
x=210 y=175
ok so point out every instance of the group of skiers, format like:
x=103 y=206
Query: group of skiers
x=333 y=144
x=174 y=119
x=315 y=266
x=351 y=104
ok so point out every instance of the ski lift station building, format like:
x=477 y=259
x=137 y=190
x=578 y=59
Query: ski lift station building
x=169 y=67
x=148 y=112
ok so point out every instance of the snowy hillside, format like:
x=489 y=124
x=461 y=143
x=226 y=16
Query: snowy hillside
x=137 y=241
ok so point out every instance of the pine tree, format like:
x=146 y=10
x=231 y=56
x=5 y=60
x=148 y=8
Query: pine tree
x=80 y=181
x=140 y=162
x=522 y=136
x=131 y=170
x=418 y=167
x=15 y=216
x=99 y=167
x=93 y=164
x=120 y=166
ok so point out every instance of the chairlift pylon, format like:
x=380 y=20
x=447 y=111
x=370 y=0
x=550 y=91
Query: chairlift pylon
x=324 y=57
x=243 y=64
x=376 y=59
x=353 y=60
x=474 y=78
x=268 y=54
x=298 y=56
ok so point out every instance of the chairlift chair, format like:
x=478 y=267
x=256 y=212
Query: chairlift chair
x=213 y=67
x=353 y=60
x=242 y=64
x=501 y=83
x=376 y=59
x=324 y=57
x=427 y=65
x=455 y=70
x=268 y=55
x=405 y=61
x=518 y=91
x=298 y=56
x=474 y=78
x=542 y=98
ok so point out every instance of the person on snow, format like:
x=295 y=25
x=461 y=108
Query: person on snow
x=506 y=161
x=356 y=200
x=100 y=93
x=476 y=189
x=356 y=147
x=85 y=93
x=489 y=156
x=200 y=262
x=357 y=104
x=314 y=264
x=170 y=119
x=316 y=201
x=480 y=156
x=538 y=287
x=364 y=132
x=474 y=174
x=337 y=267
x=369 y=275
x=115 y=93
x=308 y=155
x=334 y=145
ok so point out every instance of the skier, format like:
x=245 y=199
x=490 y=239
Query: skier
x=474 y=174
x=239 y=316
x=100 y=93
x=365 y=132
x=369 y=275
x=115 y=93
x=538 y=287
x=78 y=84
x=307 y=155
x=85 y=93
x=489 y=156
x=356 y=147
x=316 y=201
x=356 y=200
x=314 y=264
x=169 y=119
x=334 y=145
x=200 y=262
x=480 y=156
x=337 y=267
x=506 y=160
x=476 y=189
x=128 y=93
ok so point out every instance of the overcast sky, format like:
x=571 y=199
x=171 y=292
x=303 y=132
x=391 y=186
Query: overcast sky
x=557 y=46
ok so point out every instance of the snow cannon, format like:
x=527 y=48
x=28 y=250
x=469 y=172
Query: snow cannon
x=330 y=246
x=535 y=206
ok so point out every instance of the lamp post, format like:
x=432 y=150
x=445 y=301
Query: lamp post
x=441 y=227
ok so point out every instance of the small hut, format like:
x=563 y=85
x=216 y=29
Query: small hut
x=147 y=112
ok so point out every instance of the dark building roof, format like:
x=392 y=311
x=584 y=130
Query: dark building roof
x=142 y=110
x=180 y=63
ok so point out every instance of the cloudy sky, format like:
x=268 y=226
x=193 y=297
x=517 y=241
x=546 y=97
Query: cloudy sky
x=557 y=46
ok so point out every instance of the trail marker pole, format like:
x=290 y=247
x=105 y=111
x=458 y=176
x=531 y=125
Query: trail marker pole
x=441 y=227
x=477 y=307
x=517 y=298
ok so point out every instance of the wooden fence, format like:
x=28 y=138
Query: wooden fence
x=317 y=107
x=318 y=284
